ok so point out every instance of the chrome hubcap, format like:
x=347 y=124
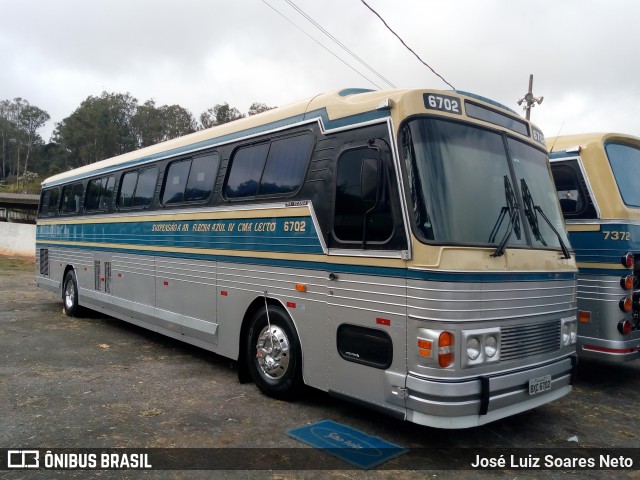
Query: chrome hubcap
x=69 y=294
x=272 y=352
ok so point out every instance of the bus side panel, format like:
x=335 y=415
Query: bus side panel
x=364 y=313
x=187 y=288
x=239 y=285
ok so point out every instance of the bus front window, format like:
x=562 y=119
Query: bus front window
x=460 y=184
x=463 y=191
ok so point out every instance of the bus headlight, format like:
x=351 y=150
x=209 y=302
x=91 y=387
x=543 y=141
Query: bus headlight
x=569 y=331
x=490 y=346
x=473 y=348
x=482 y=346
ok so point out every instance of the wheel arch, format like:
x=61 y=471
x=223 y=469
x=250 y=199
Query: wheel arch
x=255 y=306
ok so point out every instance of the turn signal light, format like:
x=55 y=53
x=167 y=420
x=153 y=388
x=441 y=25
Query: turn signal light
x=627 y=282
x=445 y=349
x=625 y=304
x=584 y=316
x=424 y=347
x=624 y=327
x=627 y=260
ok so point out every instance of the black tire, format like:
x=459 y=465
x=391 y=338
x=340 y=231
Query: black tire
x=276 y=372
x=70 y=294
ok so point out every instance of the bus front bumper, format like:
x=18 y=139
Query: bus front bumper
x=479 y=401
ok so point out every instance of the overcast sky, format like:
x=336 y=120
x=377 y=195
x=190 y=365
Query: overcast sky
x=198 y=53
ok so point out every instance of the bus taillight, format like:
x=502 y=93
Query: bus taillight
x=445 y=349
x=627 y=260
x=626 y=282
x=624 y=327
x=625 y=304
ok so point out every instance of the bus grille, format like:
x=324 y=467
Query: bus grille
x=520 y=341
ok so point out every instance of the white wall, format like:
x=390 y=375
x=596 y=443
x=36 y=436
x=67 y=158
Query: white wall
x=17 y=239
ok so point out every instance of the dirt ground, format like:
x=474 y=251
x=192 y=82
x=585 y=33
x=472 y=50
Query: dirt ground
x=97 y=382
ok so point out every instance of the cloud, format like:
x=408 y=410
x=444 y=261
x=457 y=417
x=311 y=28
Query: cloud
x=199 y=53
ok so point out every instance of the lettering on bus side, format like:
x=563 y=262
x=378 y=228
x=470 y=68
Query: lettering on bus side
x=260 y=226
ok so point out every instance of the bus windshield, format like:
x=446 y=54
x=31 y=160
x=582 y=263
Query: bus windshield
x=463 y=191
x=625 y=162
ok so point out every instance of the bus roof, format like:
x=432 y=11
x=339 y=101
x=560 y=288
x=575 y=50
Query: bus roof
x=336 y=109
x=556 y=145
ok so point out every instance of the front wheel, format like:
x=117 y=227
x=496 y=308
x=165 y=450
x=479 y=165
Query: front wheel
x=273 y=355
x=70 y=294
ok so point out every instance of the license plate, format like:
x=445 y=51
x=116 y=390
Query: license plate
x=539 y=385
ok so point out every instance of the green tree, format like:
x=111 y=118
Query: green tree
x=19 y=138
x=218 y=115
x=30 y=121
x=99 y=128
x=148 y=124
x=178 y=121
x=257 y=107
x=152 y=125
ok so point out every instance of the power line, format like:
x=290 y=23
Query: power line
x=319 y=43
x=406 y=46
x=344 y=47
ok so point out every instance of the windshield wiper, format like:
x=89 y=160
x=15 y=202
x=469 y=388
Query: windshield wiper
x=510 y=209
x=531 y=211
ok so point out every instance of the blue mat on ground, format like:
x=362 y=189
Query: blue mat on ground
x=349 y=444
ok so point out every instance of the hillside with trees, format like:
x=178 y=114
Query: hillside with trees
x=101 y=127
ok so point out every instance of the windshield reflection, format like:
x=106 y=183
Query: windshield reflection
x=463 y=190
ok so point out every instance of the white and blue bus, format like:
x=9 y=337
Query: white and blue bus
x=402 y=249
x=597 y=176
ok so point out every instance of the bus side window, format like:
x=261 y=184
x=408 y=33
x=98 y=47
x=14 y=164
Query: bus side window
x=71 y=197
x=99 y=194
x=49 y=202
x=572 y=192
x=362 y=210
x=137 y=188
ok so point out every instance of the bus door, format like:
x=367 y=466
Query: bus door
x=366 y=284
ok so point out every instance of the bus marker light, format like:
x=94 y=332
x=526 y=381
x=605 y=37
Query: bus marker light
x=584 y=317
x=445 y=352
x=166 y=284
x=627 y=282
x=224 y=293
x=424 y=347
x=383 y=321
x=627 y=260
x=300 y=287
x=119 y=275
x=625 y=304
x=291 y=305
x=624 y=327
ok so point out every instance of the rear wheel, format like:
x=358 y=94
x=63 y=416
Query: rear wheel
x=273 y=355
x=70 y=294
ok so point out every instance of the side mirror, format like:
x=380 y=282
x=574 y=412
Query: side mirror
x=369 y=172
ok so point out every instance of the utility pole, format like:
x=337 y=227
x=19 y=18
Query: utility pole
x=529 y=100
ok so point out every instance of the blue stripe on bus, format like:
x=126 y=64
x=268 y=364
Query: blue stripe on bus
x=599 y=247
x=606 y=272
x=268 y=234
x=320 y=113
x=467 y=277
